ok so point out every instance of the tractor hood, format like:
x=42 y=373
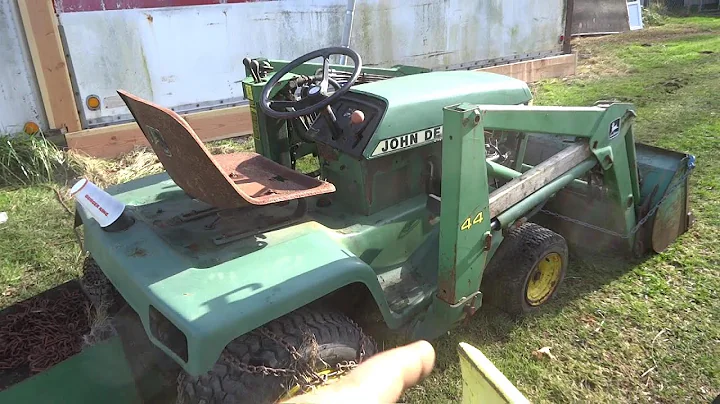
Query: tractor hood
x=415 y=103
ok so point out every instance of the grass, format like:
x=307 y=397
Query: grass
x=620 y=332
x=27 y=160
x=646 y=331
x=38 y=248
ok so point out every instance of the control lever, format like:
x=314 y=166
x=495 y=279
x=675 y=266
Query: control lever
x=357 y=124
x=265 y=68
x=249 y=65
x=334 y=127
x=255 y=68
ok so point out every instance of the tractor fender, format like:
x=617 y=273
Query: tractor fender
x=322 y=267
x=198 y=311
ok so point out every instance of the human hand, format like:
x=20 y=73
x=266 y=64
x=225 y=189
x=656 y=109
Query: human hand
x=381 y=379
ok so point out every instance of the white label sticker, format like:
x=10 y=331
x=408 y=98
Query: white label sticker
x=408 y=140
x=614 y=129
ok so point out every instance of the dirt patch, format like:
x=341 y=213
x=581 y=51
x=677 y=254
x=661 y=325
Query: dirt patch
x=673 y=85
x=42 y=331
x=594 y=59
x=651 y=35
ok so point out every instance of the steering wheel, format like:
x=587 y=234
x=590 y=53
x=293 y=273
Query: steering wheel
x=317 y=95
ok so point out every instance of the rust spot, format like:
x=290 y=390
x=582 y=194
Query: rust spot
x=381 y=166
x=193 y=247
x=328 y=153
x=138 y=252
x=470 y=310
x=149 y=18
x=488 y=242
x=446 y=284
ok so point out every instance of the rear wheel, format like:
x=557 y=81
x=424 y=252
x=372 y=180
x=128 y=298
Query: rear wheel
x=279 y=359
x=527 y=269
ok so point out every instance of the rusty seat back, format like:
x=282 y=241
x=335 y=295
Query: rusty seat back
x=226 y=180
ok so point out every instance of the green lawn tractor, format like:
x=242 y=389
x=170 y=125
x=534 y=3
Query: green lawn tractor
x=421 y=195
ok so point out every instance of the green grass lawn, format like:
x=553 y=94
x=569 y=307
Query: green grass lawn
x=38 y=248
x=645 y=331
x=628 y=333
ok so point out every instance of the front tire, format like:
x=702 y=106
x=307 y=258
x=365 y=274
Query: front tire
x=320 y=340
x=527 y=269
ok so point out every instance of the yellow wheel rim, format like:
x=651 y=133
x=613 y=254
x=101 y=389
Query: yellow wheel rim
x=544 y=279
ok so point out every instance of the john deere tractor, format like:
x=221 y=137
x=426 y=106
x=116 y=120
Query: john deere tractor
x=420 y=194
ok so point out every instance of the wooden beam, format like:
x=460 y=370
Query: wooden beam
x=539 y=69
x=537 y=177
x=567 y=36
x=112 y=141
x=48 y=56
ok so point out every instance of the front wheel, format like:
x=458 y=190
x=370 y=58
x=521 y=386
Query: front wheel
x=527 y=269
x=280 y=359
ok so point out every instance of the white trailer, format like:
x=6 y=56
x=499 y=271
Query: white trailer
x=187 y=54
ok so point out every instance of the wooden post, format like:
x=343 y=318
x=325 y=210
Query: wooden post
x=569 y=6
x=48 y=56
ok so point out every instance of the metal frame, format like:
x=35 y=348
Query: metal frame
x=181 y=109
x=471 y=219
x=239 y=101
x=479 y=64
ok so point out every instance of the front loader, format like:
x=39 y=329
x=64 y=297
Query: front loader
x=425 y=193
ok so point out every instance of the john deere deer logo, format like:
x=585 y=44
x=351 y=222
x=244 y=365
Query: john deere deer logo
x=156 y=138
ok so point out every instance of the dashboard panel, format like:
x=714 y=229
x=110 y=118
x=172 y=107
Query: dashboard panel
x=345 y=136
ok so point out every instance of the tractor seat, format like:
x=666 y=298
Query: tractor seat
x=224 y=181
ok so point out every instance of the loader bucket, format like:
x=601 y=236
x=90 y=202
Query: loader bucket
x=664 y=176
x=482 y=381
x=592 y=219
x=43 y=358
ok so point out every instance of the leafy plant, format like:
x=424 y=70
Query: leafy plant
x=27 y=160
x=655 y=14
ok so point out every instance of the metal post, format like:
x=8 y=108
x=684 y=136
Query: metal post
x=349 y=16
x=464 y=222
x=518 y=210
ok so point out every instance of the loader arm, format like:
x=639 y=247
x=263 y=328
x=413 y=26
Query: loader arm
x=472 y=220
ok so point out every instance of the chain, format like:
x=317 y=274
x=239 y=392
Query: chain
x=41 y=333
x=304 y=367
x=288 y=347
x=641 y=222
x=301 y=372
x=263 y=370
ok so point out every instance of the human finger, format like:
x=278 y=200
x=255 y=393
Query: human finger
x=382 y=378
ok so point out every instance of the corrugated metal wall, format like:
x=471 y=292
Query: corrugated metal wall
x=187 y=54
x=20 y=100
x=189 y=57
